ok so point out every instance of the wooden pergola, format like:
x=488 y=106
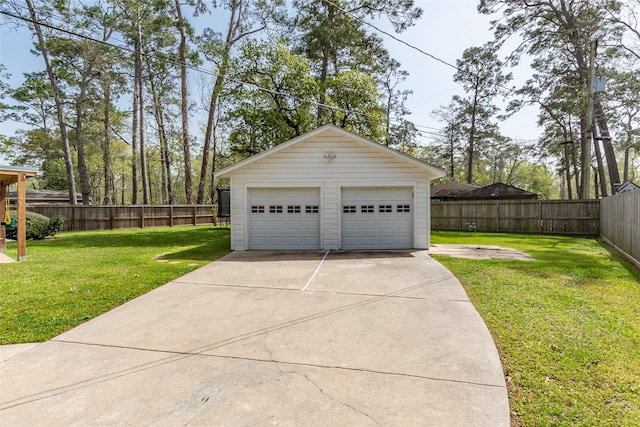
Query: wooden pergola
x=11 y=175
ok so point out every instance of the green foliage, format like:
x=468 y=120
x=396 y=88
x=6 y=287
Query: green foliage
x=565 y=326
x=78 y=276
x=355 y=93
x=263 y=119
x=39 y=227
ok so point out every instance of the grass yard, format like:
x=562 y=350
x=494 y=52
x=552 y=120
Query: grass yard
x=74 y=277
x=567 y=327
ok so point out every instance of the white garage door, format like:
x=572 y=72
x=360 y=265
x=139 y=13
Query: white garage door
x=377 y=218
x=284 y=218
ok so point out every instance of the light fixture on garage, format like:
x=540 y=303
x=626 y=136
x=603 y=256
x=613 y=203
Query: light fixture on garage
x=329 y=156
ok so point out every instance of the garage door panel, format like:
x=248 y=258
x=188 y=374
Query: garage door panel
x=377 y=218
x=284 y=218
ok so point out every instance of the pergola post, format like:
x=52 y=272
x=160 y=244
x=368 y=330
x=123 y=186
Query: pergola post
x=12 y=175
x=22 y=217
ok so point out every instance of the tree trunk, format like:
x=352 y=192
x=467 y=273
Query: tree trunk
x=164 y=149
x=472 y=136
x=324 y=69
x=85 y=187
x=574 y=162
x=610 y=155
x=186 y=139
x=134 y=139
x=213 y=105
x=234 y=22
x=567 y=170
x=143 y=155
x=62 y=123
x=601 y=172
x=106 y=145
x=213 y=170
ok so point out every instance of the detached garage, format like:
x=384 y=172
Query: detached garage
x=330 y=189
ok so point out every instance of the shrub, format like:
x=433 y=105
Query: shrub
x=39 y=226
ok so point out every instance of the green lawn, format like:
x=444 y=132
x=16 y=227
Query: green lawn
x=74 y=277
x=567 y=327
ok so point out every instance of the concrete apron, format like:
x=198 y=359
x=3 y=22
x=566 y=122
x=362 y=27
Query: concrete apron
x=283 y=338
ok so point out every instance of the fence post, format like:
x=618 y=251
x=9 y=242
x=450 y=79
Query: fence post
x=539 y=217
x=171 y=216
x=142 y=216
x=459 y=216
x=73 y=218
x=195 y=218
x=497 y=217
x=111 y=217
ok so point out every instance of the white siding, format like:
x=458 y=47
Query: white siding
x=303 y=165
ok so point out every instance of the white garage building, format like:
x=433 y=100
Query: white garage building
x=330 y=189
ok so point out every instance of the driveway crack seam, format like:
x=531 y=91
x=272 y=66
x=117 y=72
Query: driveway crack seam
x=341 y=402
x=274 y=361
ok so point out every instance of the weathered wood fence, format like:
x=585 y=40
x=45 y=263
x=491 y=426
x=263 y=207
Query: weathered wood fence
x=620 y=223
x=569 y=217
x=88 y=218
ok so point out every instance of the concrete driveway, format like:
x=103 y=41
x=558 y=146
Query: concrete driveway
x=272 y=338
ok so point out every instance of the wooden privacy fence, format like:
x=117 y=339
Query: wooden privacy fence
x=570 y=217
x=89 y=218
x=620 y=223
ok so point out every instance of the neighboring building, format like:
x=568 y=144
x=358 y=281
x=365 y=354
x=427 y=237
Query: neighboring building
x=44 y=197
x=451 y=190
x=330 y=189
x=498 y=191
x=627 y=186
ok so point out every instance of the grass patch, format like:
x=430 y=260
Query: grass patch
x=74 y=277
x=567 y=326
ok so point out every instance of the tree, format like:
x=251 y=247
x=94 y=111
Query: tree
x=246 y=17
x=399 y=131
x=333 y=37
x=354 y=94
x=262 y=112
x=558 y=36
x=62 y=122
x=479 y=72
x=78 y=61
x=449 y=148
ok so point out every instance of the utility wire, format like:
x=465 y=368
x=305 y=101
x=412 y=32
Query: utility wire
x=191 y=67
x=435 y=58
x=353 y=15
x=175 y=62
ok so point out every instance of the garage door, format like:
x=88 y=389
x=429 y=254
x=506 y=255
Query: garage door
x=377 y=218
x=284 y=218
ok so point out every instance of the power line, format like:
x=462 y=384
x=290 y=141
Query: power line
x=353 y=15
x=175 y=62
x=356 y=17
x=198 y=69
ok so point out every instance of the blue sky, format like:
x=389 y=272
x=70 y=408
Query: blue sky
x=446 y=29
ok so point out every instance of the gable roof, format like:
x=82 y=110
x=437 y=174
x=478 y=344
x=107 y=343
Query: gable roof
x=436 y=172
x=451 y=190
x=498 y=191
x=627 y=186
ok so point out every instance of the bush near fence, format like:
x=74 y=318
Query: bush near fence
x=91 y=218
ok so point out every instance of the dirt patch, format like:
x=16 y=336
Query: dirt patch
x=479 y=252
